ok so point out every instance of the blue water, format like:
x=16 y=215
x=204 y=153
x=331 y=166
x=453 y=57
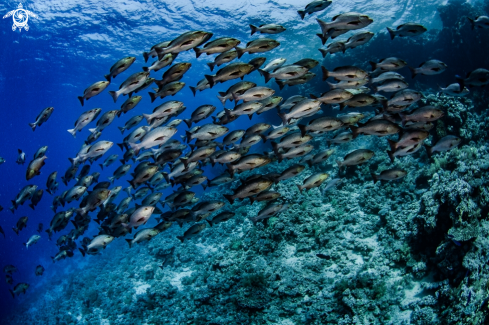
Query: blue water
x=73 y=44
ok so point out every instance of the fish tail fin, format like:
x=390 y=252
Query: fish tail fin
x=472 y=23
x=374 y=177
x=413 y=72
x=302 y=128
x=194 y=91
x=188 y=122
x=299 y=187
x=391 y=155
x=210 y=79
x=325 y=73
x=32 y=206
x=82 y=251
x=375 y=89
x=129 y=241
x=230 y=169
x=275 y=147
x=229 y=197
x=265 y=74
x=342 y=106
x=146 y=56
x=72 y=132
x=324 y=38
x=148 y=117
x=167 y=178
x=198 y=52
x=280 y=157
x=92 y=130
x=281 y=84
x=240 y=51
x=354 y=131
x=392 y=33
x=189 y=136
x=16 y=230
x=283 y=116
x=146 y=69
x=114 y=95
x=301 y=13
x=122 y=129
x=323 y=52
x=33 y=126
x=373 y=64
x=222 y=98
x=429 y=150
x=309 y=162
x=12 y=293
x=107 y=77
x=252 y=200
x=211 y=65
x=209 y=222
x=263 y=137
x=80 y=98
x=153 y=96
x=254 y=29
x=181 y=238
x=392 y=144
x=403 y=118
x=340 y=164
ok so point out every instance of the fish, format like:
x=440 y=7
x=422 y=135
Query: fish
x=237 y=88
x=9 y=279
x=220 y=180
x=313 y=181
x=274 y=64
x=221 y=59
x=388 y=75
x=104 y=121
x=9 y=269
x=139 y=217
x=18 y=289
x=332 y=183
x=405 y=97
x=32 y=240
x=269 y=103
x=152 y=53
x=119 y=67
x=129 y=104
x=21 y=224
x=42 y=117
x=477 y=77
x=334 y=47
x=34 y=167
x=25 y=194
x=192 y=231
x=314 y=6
x=184 y=42
x=291 y=141
x=166 y=109
x=98 y=149
x=306 y=107
x=407 y=30
x=479 y=22
x=96 y=244
x=231 y=71
x=166 y=60
x=169 y=89
x=93 y=200
x=248 y=162
x=389 y=175
x=388 y=64
x=343 y=22
x=323 y=124
x=307 y=63
x=358 y=100
x=158 y=136
x=348 y=73
x=258 y=46
x=391 y=85
x=198 y=155
x=108 y=161
x=270 y=210
x=246 y=108
x=358 y=39
x=254 y=94
x=174 y=73
x=408 y=138
x=39 y=270
x=36 y=198
x=221 y=217
x=40 y=152
x=356 y=157
x=454 y=90
x=295 y=81
x=143 y=175
x=40 y=227
x=207 y=132
x=200 y=113
x=444 y=144
x=265 y=196
x=143 y=235
x=61 y=255
x=428 y=68
x=257 y=63
x=380 y=128
x=21 y=157
x=295 y=152
x=225 y=157
x=290 y=172
x=267 y=29
x=284 y=72
x=119 y=172
x=320 y=157
x=84 y=119
x=404 y=151
x=218 y=45
x=132 y=83
x=422 y=114
x=93 y=90
x=248 y=189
